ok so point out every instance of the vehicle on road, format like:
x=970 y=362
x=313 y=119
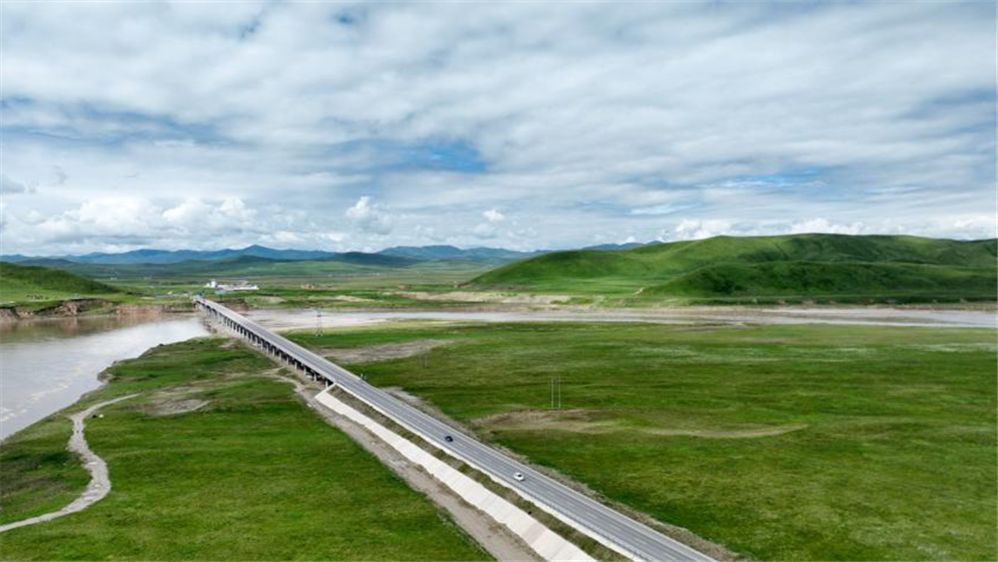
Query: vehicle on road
x=631 y=536
x=448 y=439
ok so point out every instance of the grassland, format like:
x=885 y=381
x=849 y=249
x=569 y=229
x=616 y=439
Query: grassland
x=388 y=272
x=807 y=268
x=251 y=474
x=782 y=443
x=304 y=284
x=22 y=283
x=794 y=267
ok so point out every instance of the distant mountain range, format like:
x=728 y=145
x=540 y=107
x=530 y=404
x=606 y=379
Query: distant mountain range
x=395 y=256
x=150 y=256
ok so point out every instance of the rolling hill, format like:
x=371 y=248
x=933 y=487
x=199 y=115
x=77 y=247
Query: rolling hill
x=804 y=265
x=22 y=282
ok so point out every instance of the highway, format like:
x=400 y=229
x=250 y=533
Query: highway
x=625 y=535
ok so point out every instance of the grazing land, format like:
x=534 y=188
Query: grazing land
x=795 y=269
x=26 y=283
x=214 y=460
x=297 y=284
x=373 y=270
x=766 y=269
x=292 y=284
x=780 y=442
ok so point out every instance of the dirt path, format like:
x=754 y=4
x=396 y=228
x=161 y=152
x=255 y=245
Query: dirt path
x=499 y=542
x=100 y=482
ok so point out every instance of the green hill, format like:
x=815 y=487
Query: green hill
x=32 y=282
x=803 y=265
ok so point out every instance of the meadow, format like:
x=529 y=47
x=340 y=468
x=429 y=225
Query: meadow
x=41 y=286
x=795 y=269
x=214 y=461
x=300 y=284
x=781 y=443
x=765 y=269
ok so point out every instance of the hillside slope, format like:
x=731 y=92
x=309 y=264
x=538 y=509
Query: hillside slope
x=26 y=282
x=803 y=265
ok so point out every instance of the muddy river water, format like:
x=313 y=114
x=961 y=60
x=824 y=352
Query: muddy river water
x=46 y=365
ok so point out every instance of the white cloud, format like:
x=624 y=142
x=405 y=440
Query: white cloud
x=122 y=222
x=967 y=227
x=695 y=229
x=493 y=216
x=646 y=113
x=197 y=216
x=485 y=231
x=370 y=217
x=825 y=226
x=489 y=229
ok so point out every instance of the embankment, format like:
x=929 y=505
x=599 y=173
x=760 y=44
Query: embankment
x=88 y=307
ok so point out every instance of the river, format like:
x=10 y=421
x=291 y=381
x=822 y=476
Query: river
x=984 y=317
x=46 y=365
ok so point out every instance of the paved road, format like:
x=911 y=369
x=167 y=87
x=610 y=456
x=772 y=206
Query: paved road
x=632 y=538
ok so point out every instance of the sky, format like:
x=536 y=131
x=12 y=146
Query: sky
x=525 y=125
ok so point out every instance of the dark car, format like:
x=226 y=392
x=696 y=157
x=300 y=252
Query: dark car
x=448 y=439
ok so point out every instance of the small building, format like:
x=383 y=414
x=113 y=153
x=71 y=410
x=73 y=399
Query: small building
x=222 y=288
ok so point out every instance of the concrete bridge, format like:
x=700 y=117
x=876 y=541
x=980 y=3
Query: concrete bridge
x=607 y=526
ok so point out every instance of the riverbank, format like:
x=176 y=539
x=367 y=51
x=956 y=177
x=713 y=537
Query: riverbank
x=970 y=316
x=72 y=308
x=214 y=460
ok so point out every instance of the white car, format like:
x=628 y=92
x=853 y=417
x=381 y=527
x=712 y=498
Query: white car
x=518 y=476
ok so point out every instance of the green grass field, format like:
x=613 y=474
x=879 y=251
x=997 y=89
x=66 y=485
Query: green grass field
x=252 y=475
x=770 y=268
x=782 y=443
x=24 y=284
x=283 y=273
x=793 y=269
x=306 y=284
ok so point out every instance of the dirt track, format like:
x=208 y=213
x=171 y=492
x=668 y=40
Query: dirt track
x=100 y=482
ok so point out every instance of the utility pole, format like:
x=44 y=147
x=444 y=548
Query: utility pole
x=318 y=322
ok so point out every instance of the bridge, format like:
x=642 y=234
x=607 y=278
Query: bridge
x=602 y=523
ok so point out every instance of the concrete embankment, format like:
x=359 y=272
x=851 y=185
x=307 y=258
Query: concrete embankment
x=546 y=543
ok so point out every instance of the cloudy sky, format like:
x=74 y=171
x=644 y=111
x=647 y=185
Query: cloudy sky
x=340 y=125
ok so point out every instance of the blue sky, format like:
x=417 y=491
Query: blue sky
x=353 y=126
